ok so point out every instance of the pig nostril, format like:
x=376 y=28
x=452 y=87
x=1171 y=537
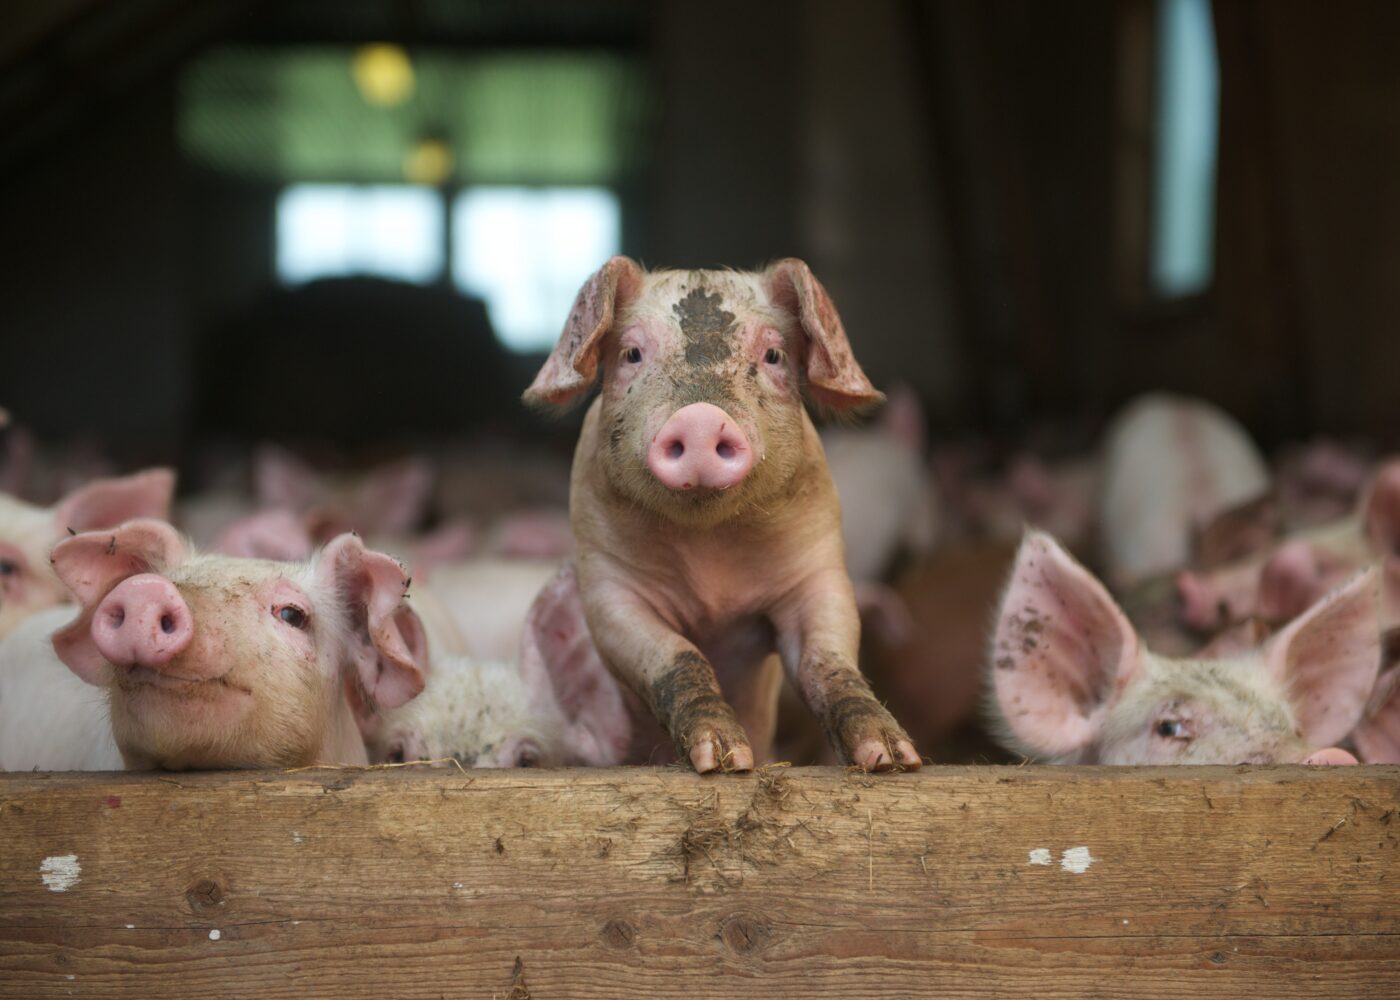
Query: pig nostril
x=167 y=623
x=116 y=617
x=675 y=450
x=725 y=450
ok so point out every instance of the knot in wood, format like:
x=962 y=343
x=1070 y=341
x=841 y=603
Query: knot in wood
x=204 y=895
x=619 y=934
x=744 y=934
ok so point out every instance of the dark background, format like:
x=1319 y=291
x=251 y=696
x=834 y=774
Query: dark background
x=969 y=178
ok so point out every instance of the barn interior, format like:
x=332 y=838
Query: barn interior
x=353 y=229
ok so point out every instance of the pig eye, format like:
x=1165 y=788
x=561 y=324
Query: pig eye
x=773 y=356
x=8 y=567
x=1172 y=729
x=632 y=355
x=292 y=615
x=529 y=756
x=394 y=756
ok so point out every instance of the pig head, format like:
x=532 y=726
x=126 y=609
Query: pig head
x=214 y=661
x=27 y=533
x=1073 y=683
x=707 y=525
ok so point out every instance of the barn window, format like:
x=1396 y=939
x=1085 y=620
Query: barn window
x=335 y=230
x=1187 y=110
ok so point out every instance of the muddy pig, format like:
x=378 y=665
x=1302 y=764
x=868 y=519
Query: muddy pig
x=215 y=662
x=1072 y=682
x=27 y=533
x=708 y=529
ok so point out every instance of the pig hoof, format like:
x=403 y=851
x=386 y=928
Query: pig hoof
x=886 y=753
x=713 y=753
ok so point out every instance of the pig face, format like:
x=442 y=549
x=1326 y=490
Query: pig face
x=390 y=499
x=1073 y=682
x=703 y=374
x=559 y=706
x=214 y=661
x=27 y=533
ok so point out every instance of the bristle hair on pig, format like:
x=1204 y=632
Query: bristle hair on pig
x=1071 y=681
x=708 y=530
x=213 y=661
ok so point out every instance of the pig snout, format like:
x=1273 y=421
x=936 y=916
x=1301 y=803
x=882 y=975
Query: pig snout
x=1199 y=604
x=700 y=446
x=1331 y=756
x=143 y=622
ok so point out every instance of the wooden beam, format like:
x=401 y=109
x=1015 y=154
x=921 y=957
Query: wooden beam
x=958 y=881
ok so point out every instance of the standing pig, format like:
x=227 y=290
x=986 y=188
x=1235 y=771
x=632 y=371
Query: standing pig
x=708 y=529
x=27 y=533
x=1074 y=684
x=1170 y=466
x=215 y=662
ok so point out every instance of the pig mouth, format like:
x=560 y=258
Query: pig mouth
x=135 y=678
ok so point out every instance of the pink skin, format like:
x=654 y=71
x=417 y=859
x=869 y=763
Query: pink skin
x=701 y=446
x=688 y=592
x=275 y=534
x=213 y=661
x=1075 y=684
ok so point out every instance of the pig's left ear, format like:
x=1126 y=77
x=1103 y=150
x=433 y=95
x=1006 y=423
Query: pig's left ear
x=389 y=648
x=573 y=364
x=834 y=378
x=558 y=660
x=393 y=498
x=1377 y=735
x=1381 y=510
x=1328 y=659
x=106 y=503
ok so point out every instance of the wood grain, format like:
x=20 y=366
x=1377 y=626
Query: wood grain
x=428 y=883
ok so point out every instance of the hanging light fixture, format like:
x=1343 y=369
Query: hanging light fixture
x=383 y=74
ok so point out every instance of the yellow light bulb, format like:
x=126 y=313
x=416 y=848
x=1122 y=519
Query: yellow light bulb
x=383 y=74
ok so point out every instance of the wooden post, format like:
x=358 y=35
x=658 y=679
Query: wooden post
x=640 y=883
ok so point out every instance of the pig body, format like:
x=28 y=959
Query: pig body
x=49 y=719
x=212 y=662
x=1073 y=683
x=707 y=525
x=27 y=533
x=1170 y=466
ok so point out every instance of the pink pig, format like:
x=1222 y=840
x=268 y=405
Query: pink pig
x=27 y=533
x=708 y=529
x=1074 y=684
x=216 y=662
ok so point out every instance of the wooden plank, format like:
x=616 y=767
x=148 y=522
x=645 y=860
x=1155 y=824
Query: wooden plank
x=1277 y=882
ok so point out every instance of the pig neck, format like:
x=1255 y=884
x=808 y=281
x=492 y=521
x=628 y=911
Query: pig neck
x=696 y=576
x=342 y=743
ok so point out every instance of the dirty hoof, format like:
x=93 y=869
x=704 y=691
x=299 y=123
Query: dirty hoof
x=886 y=754
x=715 y=753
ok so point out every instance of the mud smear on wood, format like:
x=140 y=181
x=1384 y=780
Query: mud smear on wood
x=714 y=851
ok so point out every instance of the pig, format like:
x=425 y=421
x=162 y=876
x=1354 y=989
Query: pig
x=1072 y=683
x=1170 y=465
x=708 y=530
x=554 y=705
x=1377 y=736
x=27 y=533
x=1283 y=579
x=390 y=499
x=217 y=662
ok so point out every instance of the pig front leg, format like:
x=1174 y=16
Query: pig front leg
x=819 y=639
x=671 y=675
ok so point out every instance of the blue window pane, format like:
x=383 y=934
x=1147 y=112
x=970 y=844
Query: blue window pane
x=1188 y=100
x=334 y=230
x=526 y=251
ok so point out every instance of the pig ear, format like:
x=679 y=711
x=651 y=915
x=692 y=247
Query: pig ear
x=573 y=364
x=1329 y=657
x=558 y=659
x=90 y=565
x=1290 y=582
x=274 y=533
x=393 y=497
x=105 y=503
x=1381 y=510
x=1061 y=650
x=389 y=650
x=281 y=479
x=1377 y=735
x=834 y=378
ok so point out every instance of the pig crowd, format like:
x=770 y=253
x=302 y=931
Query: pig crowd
x=717 y=579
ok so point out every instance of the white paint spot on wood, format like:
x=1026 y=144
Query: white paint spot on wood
x=296 y=837
x=131 y=927
x=456 y=885
x=60 y=872
x=215 y=934
x=1076 y=860
x=1040 y=856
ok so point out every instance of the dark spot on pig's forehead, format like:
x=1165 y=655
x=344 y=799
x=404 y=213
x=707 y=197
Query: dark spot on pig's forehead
x=707 y=326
